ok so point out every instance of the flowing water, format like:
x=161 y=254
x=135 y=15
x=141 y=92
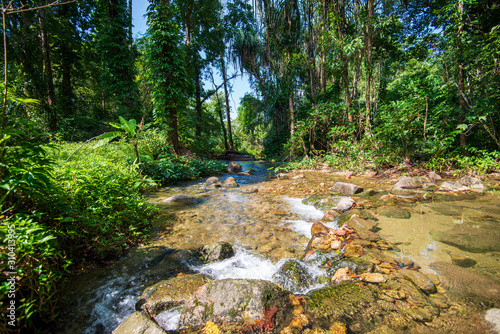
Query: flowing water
x=455 y=239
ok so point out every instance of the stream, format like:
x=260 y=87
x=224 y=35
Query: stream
x=455 y=239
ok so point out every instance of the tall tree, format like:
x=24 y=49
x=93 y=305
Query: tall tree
x=166 y=63
x=112 y=36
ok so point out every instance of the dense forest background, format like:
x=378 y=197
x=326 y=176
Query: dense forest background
x=405 y=80
x=92 y=118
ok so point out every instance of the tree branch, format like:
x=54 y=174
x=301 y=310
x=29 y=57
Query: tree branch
x=10 y=10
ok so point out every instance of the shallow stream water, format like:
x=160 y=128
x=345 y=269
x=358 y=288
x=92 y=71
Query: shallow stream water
x=266 y=222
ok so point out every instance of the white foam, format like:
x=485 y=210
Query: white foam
x=304 y=228
x=308 y=212
x=246 y=265
x=312 y=270
x=493 y=317
x=169 y=320
x=242 y=265
x=113 y=303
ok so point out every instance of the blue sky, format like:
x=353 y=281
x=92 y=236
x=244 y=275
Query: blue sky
x=240 y=84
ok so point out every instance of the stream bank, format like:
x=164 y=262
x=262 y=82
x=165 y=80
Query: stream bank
x=269 y=224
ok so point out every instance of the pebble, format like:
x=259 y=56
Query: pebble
x=373 y=278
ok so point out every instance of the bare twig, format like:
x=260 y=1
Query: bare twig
x=83 y=144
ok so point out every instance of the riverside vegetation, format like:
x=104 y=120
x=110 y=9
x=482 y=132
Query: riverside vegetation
x=94 y=118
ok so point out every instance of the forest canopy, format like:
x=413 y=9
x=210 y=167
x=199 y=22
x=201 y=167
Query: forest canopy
x=410 y=80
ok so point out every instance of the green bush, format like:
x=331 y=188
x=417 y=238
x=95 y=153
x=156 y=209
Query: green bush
x=170 y=168
x=100 y=196
x=39 y=268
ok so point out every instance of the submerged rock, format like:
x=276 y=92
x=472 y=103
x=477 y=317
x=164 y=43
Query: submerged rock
x=423 y=282
x=138 y=323
x=346 y=188
x=169 y=293
x=235 y=300
x=293 y=275
x=181 y=198
x=331 y=215
x=449 y=186
x=234 y=167
x=345 y=204
x=467 y=283
x=217 y=251
x=360 y=224
x=462 y=261
x=406 y=182
x=339 y=302
x=474 y=237
x=342 y=275
x=368 y=193
x=394 y=212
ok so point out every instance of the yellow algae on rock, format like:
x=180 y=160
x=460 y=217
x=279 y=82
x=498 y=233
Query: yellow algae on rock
x=211 y=328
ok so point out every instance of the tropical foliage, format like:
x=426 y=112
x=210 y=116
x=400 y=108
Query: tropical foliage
x=94 y=118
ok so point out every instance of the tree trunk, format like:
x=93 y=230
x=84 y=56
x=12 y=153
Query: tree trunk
x=369 y=45
x=292 y=113
x=131 y=24
x=228 y=112
x=173 y=129
x=219 y=110
x=198 y=98
x=66 y=62
x=461 y=84
x=51 y=93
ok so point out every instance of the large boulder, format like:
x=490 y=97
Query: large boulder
x=345 y=204
x=138 y=323
x=217 y=251
x=169 y=293
x=236 y=300
x=346 y=188
x=234 y=167
x=406 y=182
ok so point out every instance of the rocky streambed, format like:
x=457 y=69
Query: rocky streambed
x=314 y=252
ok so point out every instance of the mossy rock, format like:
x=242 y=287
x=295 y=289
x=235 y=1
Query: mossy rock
x=364 y=214
x=169 y=293
x=322 y=202
x=342 y=302
x=293 y=276
x=368 y=193
x=394 y=212
x=231 y=300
